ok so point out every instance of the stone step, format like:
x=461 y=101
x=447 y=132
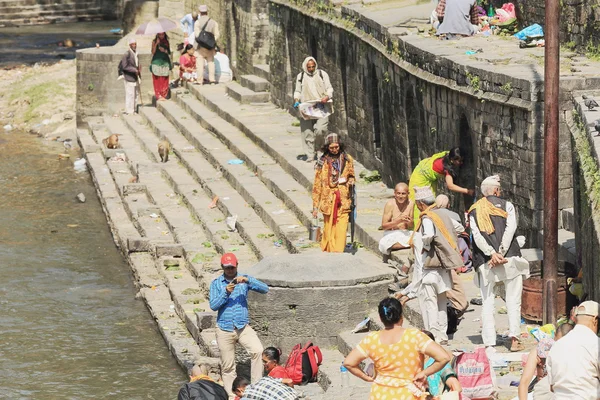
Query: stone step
x=262 y=71
x=255 y=83
x=567 y=219
x=200 y=253
x=251 y=227
x=288 y=190
x=245 y=95
x=272 y=211
x=331 y=379
x=272 y=130
x=73 y=8
x=566 y=245
x=54 y=17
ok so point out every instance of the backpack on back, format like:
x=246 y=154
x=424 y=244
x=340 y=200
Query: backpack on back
x=303 y=363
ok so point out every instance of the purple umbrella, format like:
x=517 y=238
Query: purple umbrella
x=155 y=26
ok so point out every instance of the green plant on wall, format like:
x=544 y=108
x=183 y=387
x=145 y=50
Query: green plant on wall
x=592 y=51
x=474 y=81
x=507 y=88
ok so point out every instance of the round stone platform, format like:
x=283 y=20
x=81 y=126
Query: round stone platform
x=315 y=296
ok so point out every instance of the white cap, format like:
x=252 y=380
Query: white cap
x=203 y=8
x=493 y=180
x=422 y=193
x=132 y=40
x=589 y=307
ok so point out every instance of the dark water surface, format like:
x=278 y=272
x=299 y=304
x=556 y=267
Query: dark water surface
x=70 y=327
x=38 y=43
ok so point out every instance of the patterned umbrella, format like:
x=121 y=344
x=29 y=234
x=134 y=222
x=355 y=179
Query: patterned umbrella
x=156 y=26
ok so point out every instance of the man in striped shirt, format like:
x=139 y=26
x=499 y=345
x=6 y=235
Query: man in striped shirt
x=229 y=297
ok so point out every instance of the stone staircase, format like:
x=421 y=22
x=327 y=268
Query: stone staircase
x=32 y=12
x=227 y=142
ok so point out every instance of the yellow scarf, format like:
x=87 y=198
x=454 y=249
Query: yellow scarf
x=199 y=377
x=485 y=209
x=439 y=224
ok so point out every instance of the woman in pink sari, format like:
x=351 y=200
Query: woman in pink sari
x=187 y=65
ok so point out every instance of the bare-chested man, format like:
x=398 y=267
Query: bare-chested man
x=397 y=221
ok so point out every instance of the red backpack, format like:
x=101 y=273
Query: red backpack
x=303 y=363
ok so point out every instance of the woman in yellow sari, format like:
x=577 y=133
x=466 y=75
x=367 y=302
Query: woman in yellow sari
x=397 y=354
x=427 y=173
x=334 y=178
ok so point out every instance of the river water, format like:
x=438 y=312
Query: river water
x=70 y=327
x=39 y=43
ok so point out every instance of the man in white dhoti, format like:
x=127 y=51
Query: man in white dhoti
x=430 y=283
x=497 y=258
x=397 y=221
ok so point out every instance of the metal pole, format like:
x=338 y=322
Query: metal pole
x=551 y=91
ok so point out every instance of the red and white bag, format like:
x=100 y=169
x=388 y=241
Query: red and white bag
x=474 y=373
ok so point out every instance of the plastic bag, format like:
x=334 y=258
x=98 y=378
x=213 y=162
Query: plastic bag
x=475 y=374
x=532 y=30
x=506 y=12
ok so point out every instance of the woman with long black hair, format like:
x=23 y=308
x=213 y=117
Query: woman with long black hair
x=444 y=165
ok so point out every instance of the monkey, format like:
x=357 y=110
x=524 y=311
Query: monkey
x=163 y=150
x=112 y=142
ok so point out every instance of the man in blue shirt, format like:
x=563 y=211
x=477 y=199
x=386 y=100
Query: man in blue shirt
x=229 y=297
x=187 y=26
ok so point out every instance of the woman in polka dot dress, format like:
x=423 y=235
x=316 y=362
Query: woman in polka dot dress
x=398 y=355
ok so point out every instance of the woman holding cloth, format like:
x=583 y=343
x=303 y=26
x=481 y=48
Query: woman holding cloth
x=441 y=165
x=334 y=178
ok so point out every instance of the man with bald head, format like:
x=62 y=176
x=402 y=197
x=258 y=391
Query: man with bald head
x=397 y=221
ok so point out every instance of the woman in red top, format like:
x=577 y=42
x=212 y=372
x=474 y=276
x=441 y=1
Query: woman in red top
x=187 y=65
x=271 y=357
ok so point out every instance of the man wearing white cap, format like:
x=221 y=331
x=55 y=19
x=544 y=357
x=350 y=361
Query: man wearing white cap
x=436 y=254
x=572 y=364
x=497 y=258
x=206 y=52
x=129 y=71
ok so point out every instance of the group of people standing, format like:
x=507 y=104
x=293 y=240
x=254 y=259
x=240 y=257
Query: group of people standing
x=194 y=57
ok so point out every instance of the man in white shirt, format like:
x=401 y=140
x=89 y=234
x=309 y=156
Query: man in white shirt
x=572 y=364
x=223 y=73
x=497 y=258
x=431 y=284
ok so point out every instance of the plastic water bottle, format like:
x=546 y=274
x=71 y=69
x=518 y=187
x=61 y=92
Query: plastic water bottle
x=172 y=310
x=345 y=376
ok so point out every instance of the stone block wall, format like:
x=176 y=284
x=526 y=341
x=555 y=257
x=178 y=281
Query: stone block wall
x=393 y=113
x=98 y=90
x=586 y=175
x=580 y=19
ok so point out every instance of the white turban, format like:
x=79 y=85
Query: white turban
x=493 y=180
x=422 y=193
x=132 y=40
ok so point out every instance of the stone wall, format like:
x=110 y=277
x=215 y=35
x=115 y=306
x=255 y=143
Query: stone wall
x=579 y=20
x=98 y=90
x=394 y=111
x=586 y=174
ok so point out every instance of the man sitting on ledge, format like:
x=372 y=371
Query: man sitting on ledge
x=457 y=17
x=397 y=221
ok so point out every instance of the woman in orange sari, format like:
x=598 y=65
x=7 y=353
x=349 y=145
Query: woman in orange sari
x=334 y=178
x=398 y=355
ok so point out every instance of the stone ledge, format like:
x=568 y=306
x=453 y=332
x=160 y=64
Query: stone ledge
x=332 y=269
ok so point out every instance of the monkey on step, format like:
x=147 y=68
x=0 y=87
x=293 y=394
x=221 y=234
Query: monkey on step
x=163 y=150
x=112 y=142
